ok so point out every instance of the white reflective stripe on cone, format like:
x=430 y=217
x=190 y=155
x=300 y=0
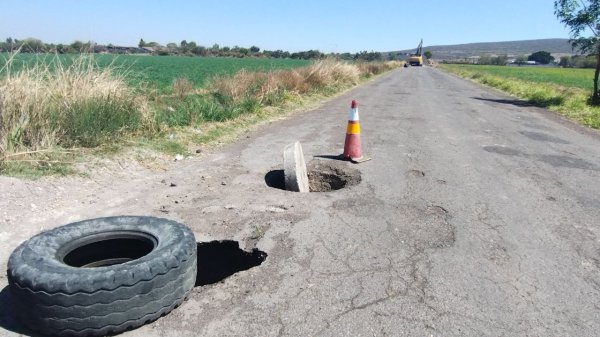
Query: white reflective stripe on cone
x=353 y=115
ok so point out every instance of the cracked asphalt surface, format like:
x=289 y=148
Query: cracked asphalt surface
x=478 y=216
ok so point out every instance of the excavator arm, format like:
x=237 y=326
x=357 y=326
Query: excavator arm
x=416 y=59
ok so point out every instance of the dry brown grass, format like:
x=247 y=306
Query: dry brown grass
x=327 y=73
x=291 y=80
x=182 y=87
x=50 y=103
x=238 y=86
x=318 y=76
x=379 y=68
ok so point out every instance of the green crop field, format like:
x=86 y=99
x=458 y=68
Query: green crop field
x=158 y=72
x=567 y=77
x=564 y=90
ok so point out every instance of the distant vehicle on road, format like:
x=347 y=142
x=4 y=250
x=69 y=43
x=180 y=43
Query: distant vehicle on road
x=416 y=59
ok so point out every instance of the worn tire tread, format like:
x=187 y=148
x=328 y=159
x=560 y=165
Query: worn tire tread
x=90 y=305
x=77 y=311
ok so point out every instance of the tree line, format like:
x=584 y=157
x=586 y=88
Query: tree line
x=539 y=57
x=544 y=57
x=184 y=48
x=579 y=61
x=33 y=45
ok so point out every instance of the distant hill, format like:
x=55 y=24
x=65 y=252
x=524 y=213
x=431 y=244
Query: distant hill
x=511 y=48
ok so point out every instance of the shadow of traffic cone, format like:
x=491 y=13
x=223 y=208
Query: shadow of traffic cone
x=352 y=148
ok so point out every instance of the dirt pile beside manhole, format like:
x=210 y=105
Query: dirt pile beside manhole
x=323 y=176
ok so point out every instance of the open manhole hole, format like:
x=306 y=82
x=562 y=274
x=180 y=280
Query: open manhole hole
x=323 y=176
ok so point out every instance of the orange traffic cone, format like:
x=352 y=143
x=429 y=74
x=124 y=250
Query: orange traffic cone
x=352 y=149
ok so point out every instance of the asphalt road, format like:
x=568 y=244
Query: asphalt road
x=478 y=216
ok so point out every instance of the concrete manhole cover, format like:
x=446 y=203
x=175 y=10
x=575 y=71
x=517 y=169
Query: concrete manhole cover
x=323 y=176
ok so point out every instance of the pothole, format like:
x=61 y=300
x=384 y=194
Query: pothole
x=219 y=259
x=323 y=176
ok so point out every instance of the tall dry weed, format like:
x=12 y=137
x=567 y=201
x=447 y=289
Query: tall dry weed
x=326 y=73
x=50 y=103
x=378 y=68
x=182 y=87
x=239 y=86
x=292 y=80
x=262 y=86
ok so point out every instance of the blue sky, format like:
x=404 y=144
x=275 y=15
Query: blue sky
x=330 y=26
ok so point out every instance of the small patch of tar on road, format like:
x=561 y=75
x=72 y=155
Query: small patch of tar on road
x=568 y=162
x=542 y=137
x=503 y=150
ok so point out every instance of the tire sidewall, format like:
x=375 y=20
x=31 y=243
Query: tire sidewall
x=37 y=262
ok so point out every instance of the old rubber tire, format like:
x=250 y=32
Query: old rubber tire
x=102 y=276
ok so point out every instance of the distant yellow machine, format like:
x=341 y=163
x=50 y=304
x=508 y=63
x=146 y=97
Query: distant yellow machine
x=416 y=59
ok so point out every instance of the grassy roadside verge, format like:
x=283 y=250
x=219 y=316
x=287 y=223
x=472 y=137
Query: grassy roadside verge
x=568 y=101
x=54 y=116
